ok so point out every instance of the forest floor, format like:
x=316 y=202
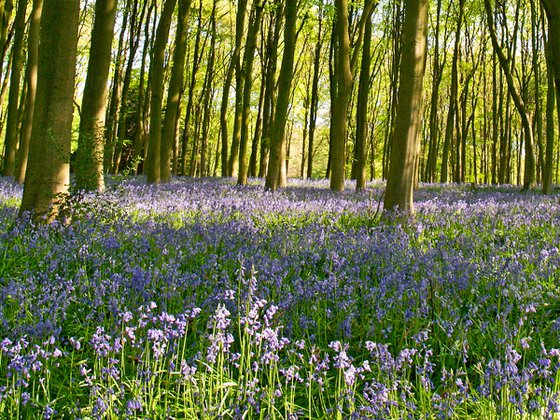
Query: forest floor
x=201 y=299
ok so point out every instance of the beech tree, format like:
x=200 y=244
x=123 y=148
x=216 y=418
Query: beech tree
x=400 y=182
x=48 y=174
x=31 y=83
x=157 y=68
x=284 y=86
x=91 y=144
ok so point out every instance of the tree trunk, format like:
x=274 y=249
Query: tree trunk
x=234 y=63
x=315 y=93
x=247 y=72
x=400 y=182
x=437 y=74
x=31 y=80
x=552 y=10
x=136 y=22
x=116 y=94
x=207 y=89
x=157 y=69
x=169 y=132
x=89 y=156
x=452 y=112
x=48 y=174
x=284 y=90
x=6 y=8
x=360 y=151
x=141 y=135
x=343 y=77
x=529 y=176
x=13 y=118
x=271 y=60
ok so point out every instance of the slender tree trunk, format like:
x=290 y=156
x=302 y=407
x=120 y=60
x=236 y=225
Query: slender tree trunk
x=137 y=20
x=247 y=72
x=141 y=135
x=116 y=94
x=89 y=156
x=315 y=93
x=284 y=91
x=360 y=151
x=552 y=10
x=535 y=26
x=208 y=81
x=13 y=118
x=273 y=40
x=529 y=176
x=234 y=64
x=451 y=113
x=197 y=56
x=48 y=174
x=258 y=128
x=6 y=8
x=157 y=69
x=31 y=80
x=437 y=74
x=174 y=91
x=400 y=183
x=343 y=76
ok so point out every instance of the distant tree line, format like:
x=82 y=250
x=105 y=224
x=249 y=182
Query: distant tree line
x=408 y=91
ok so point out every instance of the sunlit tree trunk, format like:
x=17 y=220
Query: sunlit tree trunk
x=136 y=23
x=400 y=182
x=529 y=176
x=343 y=77
x=196 y=60
x=48 y=173
x=360 y=151
x=13 y=118
x=157 y=69
x=247 y=72
x=169 y=132
x=234 y=63
x=6 y=8
x=273 y=39
x=277 y=142
x=208 y=90
x=31 y=80
x=116 y=92
x=452 y=110
x=141 y=135
x=89 y=156
x=315 y=93
x=552 y=10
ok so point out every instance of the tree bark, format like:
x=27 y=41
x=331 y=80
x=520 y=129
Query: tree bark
x=552 y=11
x=284 y=90
x=343 y=77
x=529 y=176
x=157 y=69
x=13 y=118
x=247 y=72
x=400 y=182
x=360 y=151
x=48 y=173
x=31 y=80
x=452 y=112
x=234 y=63
x=169 y=132
x=89 y=156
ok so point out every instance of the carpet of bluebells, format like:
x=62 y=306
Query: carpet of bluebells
x=199 y=299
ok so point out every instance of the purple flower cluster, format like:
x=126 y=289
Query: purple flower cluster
x=148 y=287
